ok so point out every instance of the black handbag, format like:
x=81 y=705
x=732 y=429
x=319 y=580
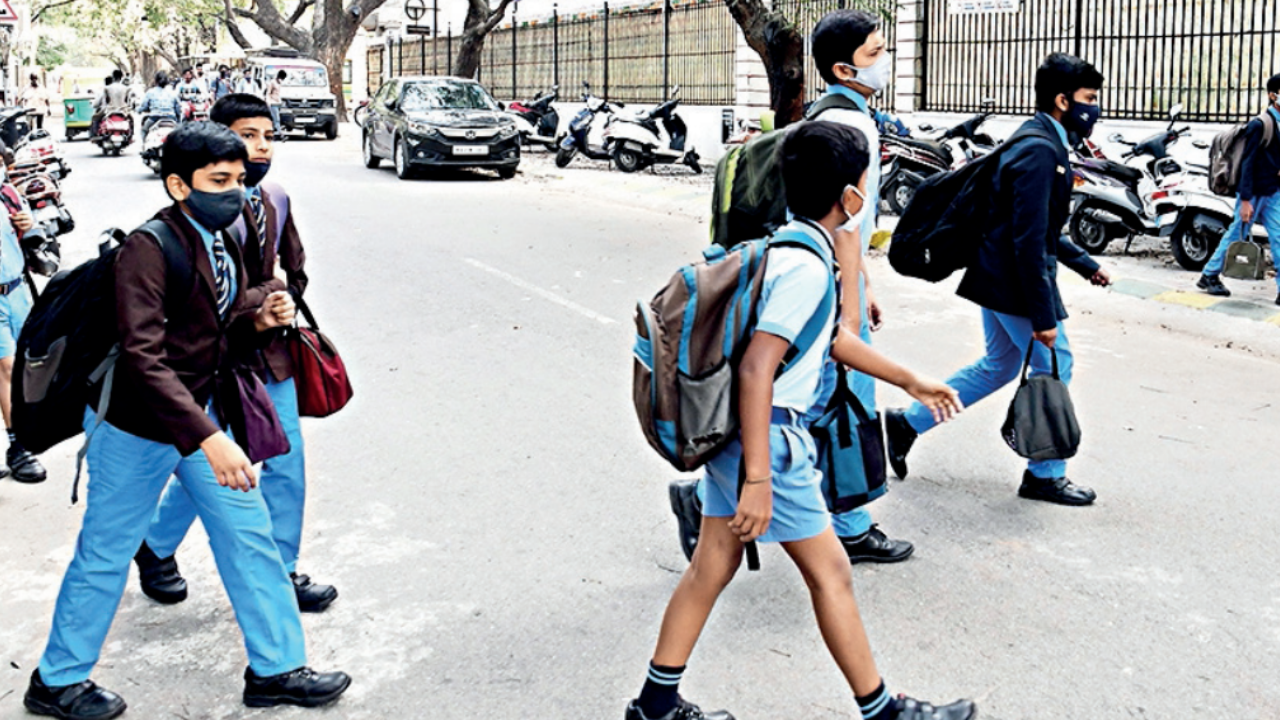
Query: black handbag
x=1041 y=424
x=851 y=450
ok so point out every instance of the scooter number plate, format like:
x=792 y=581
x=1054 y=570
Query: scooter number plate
x=470 y=150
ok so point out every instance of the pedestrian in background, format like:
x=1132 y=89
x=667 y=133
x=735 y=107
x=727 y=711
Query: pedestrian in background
x=222 y=83
x=15 y=306
x=274 y=261
x=1258 y=196
x=273 y=97
x=1015 y=275
x=35 y=98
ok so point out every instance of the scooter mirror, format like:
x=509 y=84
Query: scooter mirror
x=1116 y=138
x=1175 y=111
x=1200 y=144
x=926 y=127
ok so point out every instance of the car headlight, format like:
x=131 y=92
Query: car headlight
x=423 y=129
x=508 y=131
x=326 y=103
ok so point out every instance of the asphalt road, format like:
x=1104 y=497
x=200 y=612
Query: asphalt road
x=499 y=529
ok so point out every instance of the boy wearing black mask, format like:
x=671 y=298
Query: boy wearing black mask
x=1014 y=277
x=170 y=350
x=274 y=261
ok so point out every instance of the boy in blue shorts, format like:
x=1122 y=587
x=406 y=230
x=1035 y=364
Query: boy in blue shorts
x=825 y=167
x=15 y=305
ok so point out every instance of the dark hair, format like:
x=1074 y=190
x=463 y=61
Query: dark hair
x=161 y=79
x=837 y=36
x=196 y=145
x=186 y=70
x=238 y=106
x=1063 y=74
x=109 y=79
x=1273 y=85
x=819 y=160
x=282 y=75
x=118 y=74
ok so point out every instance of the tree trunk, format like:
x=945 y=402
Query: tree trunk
x=481 y=20
x=334 y=58
x=781 y=47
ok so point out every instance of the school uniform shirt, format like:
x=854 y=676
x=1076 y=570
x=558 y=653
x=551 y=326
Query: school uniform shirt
x=795 y=283
x=12 y=261
x=170 y=350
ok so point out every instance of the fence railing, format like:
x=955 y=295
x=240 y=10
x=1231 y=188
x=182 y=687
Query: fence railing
x=1213 y=56
x=806 y=14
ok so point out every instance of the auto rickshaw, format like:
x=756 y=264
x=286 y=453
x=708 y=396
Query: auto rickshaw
x=78 y=115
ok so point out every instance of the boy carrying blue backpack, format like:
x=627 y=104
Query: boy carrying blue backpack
x=764 y=483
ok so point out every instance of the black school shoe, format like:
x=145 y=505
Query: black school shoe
x=312 y=598
x=684 y=710
x=906 y=708
x=684 y=503
x=303 y=687
x=24 y=466
x=1055 y=490
x=159 y=577
x=874 y=546
x=899 y=437
x=82 y=701
x=1212 y=284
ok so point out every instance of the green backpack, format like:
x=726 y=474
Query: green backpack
x=749 y=200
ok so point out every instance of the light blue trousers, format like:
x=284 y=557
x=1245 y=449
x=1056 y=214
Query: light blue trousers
x=1266 y=211
x=1007 y=339
x=283 y=484
x=126 y=477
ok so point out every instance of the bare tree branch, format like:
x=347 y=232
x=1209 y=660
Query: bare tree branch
x=300 y=10
x=50 y=6
x=229 y=19
x=495 y=19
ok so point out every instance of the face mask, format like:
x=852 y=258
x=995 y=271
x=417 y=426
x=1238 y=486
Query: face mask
x=854 y=223
x=255 y=171
x=876 y=77
x=1081 y=118
x=215 y=211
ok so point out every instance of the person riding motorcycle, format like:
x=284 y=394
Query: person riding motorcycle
x=159 y=103
x=114 y=99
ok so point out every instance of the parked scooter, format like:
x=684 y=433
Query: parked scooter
x=908 y=160
x=654 y=137
x=538 y=121
x=577 y=141
x=153 y=142
x=1110 y=199
x=115 y=133
x=43 y=196
x=28 y=145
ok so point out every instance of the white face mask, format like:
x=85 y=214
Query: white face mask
x=854 y=223
x=876 y=77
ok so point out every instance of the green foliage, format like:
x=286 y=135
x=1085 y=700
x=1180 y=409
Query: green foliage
x=120 y=30
x=50 y=53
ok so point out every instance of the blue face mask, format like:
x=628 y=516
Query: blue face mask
x=255 y=171
x=1080 y=118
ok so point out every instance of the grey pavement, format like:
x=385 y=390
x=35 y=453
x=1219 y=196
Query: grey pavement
x=499 y=529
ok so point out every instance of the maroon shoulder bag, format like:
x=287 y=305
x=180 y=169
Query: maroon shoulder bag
x=318 y=371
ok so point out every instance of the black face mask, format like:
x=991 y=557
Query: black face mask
x=1080 y=118
x=255 y=171
x=215 y=211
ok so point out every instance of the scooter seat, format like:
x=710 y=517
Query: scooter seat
x=1120 y=171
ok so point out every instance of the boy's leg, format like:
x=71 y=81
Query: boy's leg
x=1270 y=214
x=126 y=475
x=714 y=564
x=1209 y=279
x=172 y=519
x=239 y=529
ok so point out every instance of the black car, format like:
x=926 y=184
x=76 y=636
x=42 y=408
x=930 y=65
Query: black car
x=434 y=122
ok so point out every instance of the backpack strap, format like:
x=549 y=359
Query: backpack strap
x=831 y=101
x=1269 y=123
x=809 y=334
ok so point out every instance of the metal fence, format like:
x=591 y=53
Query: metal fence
x=805 y=14
x=1213 y=56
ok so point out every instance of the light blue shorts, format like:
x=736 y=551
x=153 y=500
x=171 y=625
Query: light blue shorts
x=799 y=511
x=14 y=309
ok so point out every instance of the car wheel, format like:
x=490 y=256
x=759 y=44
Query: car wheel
x=331 y=131
x=371 y=161
x=1192 y=248
x=403 y=170
x=627 y=160
x=564 y=156
x=506 y=173
x=1087 y=232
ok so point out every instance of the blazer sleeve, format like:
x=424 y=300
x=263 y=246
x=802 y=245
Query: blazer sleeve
x=1029 y=174
x=140 y=291
x=292 y=257
x=1076 y=258
x=1252 y=143
x=255 y=295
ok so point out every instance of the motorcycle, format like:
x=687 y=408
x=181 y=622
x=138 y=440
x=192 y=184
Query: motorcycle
x=577 y=140
x=1109 y=199
x=153 y=142
x=640 y=142
x=538 y=122
x=29 y=145
x=115 y=133
x=194 y=110
x=908 y=161
x=43 y=196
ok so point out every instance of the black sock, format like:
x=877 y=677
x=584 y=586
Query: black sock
x=13 y=439
x=877 y=705
x=661 y=691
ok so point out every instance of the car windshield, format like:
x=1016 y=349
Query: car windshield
x=300 y=76
x=419 y=97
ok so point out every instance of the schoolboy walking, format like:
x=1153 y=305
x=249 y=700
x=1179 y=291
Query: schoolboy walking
x=1257 y=197
x=271 y=241
x=170 y=351
x=1015 y=275
x=825 y=168
x=15 y=305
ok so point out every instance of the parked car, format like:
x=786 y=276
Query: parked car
x=437 y=122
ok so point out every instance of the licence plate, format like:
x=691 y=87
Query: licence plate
x=304 y=120
x=471 y=150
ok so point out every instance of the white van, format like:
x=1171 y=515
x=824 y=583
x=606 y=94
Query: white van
x=306 y=103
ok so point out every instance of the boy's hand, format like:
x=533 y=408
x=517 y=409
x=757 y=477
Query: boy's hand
x=230 y=465
x=755 y=510
x=276 y=311
x=23 y=221
x=1102 y=278
x=942 y=400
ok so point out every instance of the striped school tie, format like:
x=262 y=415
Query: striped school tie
x=259 y=220
x=221 y=274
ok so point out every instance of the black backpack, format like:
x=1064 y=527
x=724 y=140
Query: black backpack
x=69 y=343
x=949 y=218
x=749 y=200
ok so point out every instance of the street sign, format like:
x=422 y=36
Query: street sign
x=418 y=29
x=414 y=9
x=7 y=14
x=979 y=7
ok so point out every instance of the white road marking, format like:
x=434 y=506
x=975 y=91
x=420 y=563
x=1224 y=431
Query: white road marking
x=544 y=294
